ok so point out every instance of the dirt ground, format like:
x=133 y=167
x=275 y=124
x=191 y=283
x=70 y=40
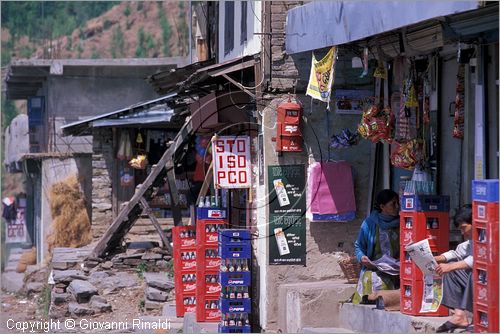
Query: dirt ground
x=126 y=306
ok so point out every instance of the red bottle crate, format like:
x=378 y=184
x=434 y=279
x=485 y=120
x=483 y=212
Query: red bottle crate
x=184 y=259
x=206 y=260
x=184 y=237
x=416 y=226
x=485 y=319
x=485 y=211
x=411 y=299
x=207 y=308
x=186 y=283
x=206 y=231
x=485 y=278
x=184 y=242
x=183 y=304
x=485 y=242
x=209 y=285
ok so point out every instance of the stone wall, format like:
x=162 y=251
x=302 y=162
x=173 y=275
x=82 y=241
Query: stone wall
x=102 y=164
x=283 y=69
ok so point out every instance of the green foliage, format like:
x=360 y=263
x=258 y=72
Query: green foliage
x=79 y=49
x=26 y=51
x=182 y=41
x=49 y=19
x=95 y=54
x=44 y=301
x=127 y=10
x=140 y=6
x=117 y=43
x=107 y=24
x=6 y=55
x=9 y=111
x=141 y=305
x=69 y=45
x=140 y=51
x=166 y=31
x=141 y=269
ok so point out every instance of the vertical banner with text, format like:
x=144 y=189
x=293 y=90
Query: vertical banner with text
x=231 y=162
x=287 y=208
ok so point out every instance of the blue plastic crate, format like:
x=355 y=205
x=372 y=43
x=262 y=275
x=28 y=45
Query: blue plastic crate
x=485 y=190
x=234 y=236
x=236 y=305
x=211 y=213
x=425 y=203
x=234 y=329
x=235 y=278
x=235 y=251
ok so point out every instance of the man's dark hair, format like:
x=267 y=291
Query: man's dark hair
x=463 y=215
x=384 y=197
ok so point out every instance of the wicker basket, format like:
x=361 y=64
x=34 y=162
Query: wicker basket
x=351 y=269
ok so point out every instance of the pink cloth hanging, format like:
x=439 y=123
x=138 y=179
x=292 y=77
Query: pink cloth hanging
x=331 y=188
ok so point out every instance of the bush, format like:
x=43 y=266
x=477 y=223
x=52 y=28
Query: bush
x=107 y=24
x=127 y=10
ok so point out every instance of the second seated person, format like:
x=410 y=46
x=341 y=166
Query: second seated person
x=378 y=236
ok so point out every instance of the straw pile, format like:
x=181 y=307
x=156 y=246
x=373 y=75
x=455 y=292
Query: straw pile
x=70 y=221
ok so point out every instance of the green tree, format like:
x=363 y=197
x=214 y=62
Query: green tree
x=9 y=111
x=166 y=32
x=117 y=43
x=140 y=51
x=127 y=10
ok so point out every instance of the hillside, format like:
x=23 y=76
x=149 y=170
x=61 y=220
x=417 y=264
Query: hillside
x=127 y=30
x=137 y=29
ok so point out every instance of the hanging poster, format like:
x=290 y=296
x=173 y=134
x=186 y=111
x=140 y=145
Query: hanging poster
x=16 y=228
x=231 y=162
x=353 y=101
x=287 y=207
x=321 y=77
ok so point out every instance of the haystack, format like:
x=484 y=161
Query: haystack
x=70 y=220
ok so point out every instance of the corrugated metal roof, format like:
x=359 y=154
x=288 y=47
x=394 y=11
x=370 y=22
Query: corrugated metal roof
x=82 y=127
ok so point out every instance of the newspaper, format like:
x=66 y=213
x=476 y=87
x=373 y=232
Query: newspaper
x=387 y=264
x=420 y=253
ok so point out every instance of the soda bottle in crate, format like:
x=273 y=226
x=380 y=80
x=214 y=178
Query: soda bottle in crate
x=184 y=245
x=235 y=302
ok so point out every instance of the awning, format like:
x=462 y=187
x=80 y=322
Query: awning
x=183 y=78
x=149 y=112
x=321 y=24
x=166 y=81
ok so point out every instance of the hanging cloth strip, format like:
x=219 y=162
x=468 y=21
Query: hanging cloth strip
x=458 y=121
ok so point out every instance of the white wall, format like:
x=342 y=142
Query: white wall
x=253 y=43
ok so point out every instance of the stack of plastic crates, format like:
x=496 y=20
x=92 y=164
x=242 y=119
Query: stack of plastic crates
x=421 y=217
x=184 y=245
x=208 y=222
x=235 y=302
x=485 y=253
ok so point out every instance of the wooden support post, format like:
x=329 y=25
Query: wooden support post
x=174 y=194
x=156 y=224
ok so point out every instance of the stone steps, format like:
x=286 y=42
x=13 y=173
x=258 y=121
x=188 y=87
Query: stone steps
x=367 y=319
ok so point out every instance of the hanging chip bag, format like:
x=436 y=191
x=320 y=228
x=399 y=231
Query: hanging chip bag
x=377 y=125
x=405 y=154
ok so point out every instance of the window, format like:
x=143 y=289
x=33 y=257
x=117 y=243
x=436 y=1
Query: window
x=228 y=27
x=243 y=22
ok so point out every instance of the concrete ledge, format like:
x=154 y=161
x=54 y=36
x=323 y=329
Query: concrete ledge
x=367 y=319
x=311 y=304
x=192 y=326
x=325 y=330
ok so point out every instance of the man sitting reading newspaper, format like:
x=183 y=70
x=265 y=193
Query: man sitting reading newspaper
x=456 y=268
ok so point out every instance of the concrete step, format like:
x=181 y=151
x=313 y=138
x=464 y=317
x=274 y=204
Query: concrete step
x=192 y=326
x=325 y=330
x=311 y=304
x=12 y=281
x=367 y=319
